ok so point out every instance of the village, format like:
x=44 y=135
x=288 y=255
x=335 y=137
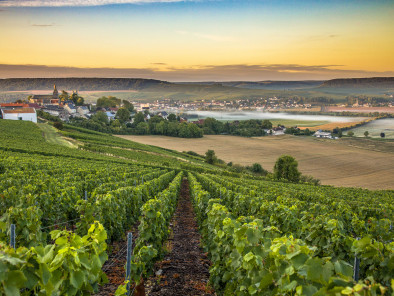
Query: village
x=71 y=107
x=65 y=109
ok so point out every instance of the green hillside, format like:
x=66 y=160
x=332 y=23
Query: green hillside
x=72 y=207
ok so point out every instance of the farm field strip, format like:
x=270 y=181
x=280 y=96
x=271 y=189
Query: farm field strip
x=334 y=162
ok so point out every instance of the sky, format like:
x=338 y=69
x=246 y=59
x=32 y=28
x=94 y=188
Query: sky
x=197 y=40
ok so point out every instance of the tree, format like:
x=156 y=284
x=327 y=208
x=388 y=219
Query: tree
x=210 y=157
x=108 y=102
x=100 y=117
x=115 y=123
x=171 y=117
x=129 y=106
x=286 y=167
x=77 y=100
x=195 y=131
x=183 y=131
x=123 y=114
x=142 y=128
x=350 y=133
x=382 y=135
x=366 y=133
x=139 y=117
x=266 y=124
x=63 y=96
x=340 y=133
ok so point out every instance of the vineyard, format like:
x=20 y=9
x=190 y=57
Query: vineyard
x=63 y=210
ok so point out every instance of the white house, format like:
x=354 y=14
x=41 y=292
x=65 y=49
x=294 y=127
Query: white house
x=321 y=134
x=70 y=108
x=110 y=115
x=25 y=113
x=83 y=110
x=163 y=114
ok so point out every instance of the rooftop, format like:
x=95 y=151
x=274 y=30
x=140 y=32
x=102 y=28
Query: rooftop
x=20 y=110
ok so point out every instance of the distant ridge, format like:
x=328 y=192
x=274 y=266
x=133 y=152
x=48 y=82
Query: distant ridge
x=373 y=82
x=80 y=84
x=268 y=84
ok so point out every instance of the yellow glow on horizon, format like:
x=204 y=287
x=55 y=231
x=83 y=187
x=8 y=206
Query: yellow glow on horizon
x=90 y=44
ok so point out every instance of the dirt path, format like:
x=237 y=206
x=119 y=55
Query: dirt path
x=114 y=268
x=184 y=270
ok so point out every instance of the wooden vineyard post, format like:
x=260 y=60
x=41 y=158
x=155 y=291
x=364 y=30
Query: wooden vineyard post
x=128 y=260
x=356 y=268
x=86 y=195
x=12 y=236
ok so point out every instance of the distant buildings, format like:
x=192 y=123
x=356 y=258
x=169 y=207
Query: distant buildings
x=46 y=99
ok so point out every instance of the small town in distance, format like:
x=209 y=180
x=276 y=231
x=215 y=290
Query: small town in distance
x=72 y=108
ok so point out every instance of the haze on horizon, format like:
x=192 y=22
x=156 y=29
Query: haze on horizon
x=201 y=40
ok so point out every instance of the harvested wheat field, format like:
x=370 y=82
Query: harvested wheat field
x=344 y=162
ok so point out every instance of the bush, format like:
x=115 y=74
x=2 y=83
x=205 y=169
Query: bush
x=286 y=167
x=210 y=157
x=309 y=180
x=256 y=168
x=58 y=125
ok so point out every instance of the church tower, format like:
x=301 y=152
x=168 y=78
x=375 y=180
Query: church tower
x=55 y=92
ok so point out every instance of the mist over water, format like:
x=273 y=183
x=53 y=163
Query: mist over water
x=246 y=115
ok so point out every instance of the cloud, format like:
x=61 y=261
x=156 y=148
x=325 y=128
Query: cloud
x=160 y=64
x=235 y=72
x=63 y=3
x=43 y=25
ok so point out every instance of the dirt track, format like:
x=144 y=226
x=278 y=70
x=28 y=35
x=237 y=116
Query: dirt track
x=185 y=269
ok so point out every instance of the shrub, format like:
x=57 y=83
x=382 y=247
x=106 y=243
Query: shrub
x=286 y=167
x=58 y=125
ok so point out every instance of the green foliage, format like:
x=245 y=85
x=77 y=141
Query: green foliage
x=210 y=157
x=257 y=169
x=70 y=266
x=350 y=133
x=366 y=133
x=123 y=114
x=249 y=258
x=100 y=117
x=47 y=116
x=129 y=106
x=58 y=125
x=138 y=118
x=77 y=100
x=108 y=102
x=286 y=167
x=172 y=117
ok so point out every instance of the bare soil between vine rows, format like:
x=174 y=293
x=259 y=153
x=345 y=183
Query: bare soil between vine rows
x=114 y=268
x=184 y=271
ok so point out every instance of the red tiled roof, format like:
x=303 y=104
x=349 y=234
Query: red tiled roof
x=13 y=105
x=20 y=110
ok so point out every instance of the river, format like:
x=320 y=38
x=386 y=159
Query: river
x=245 y=115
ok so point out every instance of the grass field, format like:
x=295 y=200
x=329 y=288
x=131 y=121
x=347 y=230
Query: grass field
x=376 y=127
x=299 y=123
x=345 y=162
x=52 y=136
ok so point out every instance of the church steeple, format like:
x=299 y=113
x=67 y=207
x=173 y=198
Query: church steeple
x=55 y=92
